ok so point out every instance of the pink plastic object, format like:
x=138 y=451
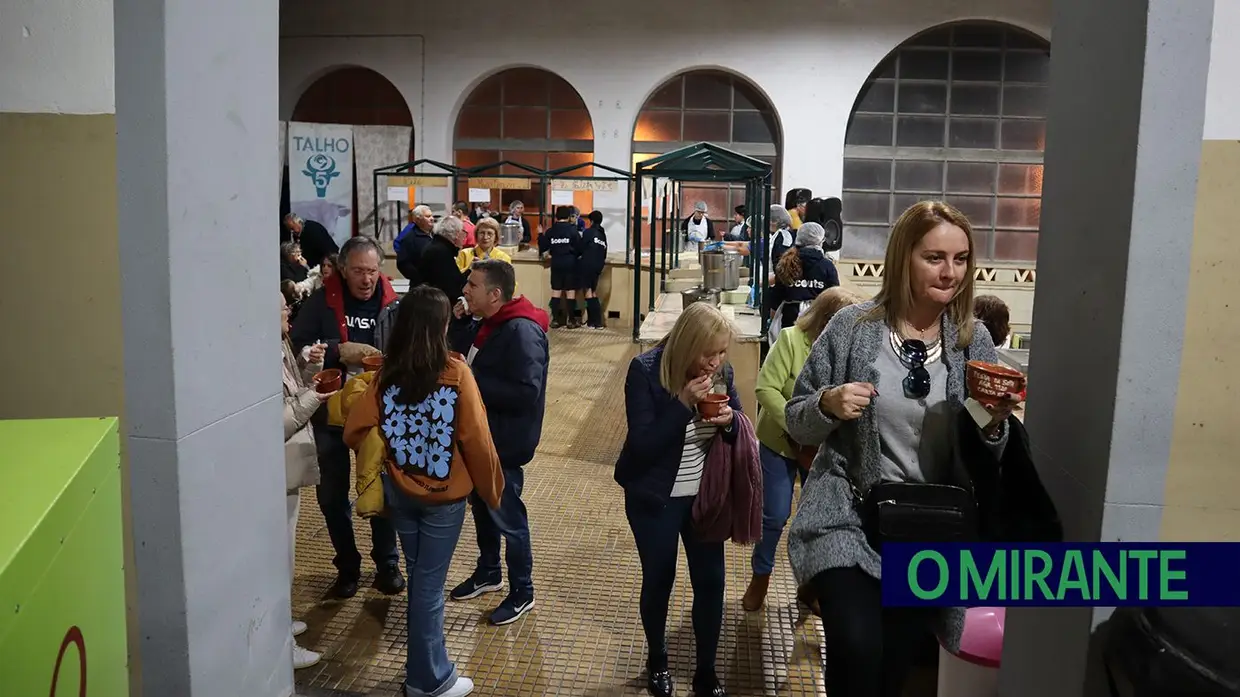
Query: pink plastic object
x=982 y=642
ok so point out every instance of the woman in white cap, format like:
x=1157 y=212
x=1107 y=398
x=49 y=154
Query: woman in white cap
x=697 y=228
x=801 y=274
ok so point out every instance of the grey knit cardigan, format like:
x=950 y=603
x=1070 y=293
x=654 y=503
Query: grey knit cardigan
x=826 y=533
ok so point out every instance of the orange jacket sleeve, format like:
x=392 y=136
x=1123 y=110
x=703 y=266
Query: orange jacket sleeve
x=361 y=415
x=477 y=448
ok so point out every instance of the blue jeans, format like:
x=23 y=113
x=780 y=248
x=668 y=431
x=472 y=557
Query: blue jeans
x=511 y=523
x=335 y=482
x=428 y=534
x=779 y=475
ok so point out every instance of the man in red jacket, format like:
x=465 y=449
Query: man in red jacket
x=507 y=351
x=349 y=314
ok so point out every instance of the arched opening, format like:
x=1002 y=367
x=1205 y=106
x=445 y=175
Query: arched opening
x=530 y=116
x=354 y=95
x=359 y=97
x=716 y=107
x=956 y=113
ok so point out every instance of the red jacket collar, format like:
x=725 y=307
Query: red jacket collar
x=517 y=308
x=334 y=291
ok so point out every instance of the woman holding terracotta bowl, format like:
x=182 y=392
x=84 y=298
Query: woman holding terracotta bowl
x=781 y=457
x=882 y=394
x=678 y=396
x=302 y=399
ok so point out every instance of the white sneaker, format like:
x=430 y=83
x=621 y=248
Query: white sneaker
x=462 y=687
x=299 y=628
x=304 y=658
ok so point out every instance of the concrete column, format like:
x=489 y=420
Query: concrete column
x=613 y=146
x=196 y=98
x=1127 y=103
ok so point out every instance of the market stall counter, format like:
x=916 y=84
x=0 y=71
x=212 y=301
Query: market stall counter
x=745 y=352
x=534 y=282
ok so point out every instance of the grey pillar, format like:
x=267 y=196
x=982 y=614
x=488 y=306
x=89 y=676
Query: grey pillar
x=196 y=93
x=1127 y=102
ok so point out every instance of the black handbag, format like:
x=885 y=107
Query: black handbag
x=916 y=512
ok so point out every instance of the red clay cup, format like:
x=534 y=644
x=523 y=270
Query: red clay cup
x=711 y=405
x=328 y=381
x=372 y=364
x=991 y=383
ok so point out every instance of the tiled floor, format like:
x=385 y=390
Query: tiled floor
x=584 y=638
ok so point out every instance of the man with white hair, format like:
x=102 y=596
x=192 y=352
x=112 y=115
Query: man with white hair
x=516 y=214
x=437 y=265
x=413 y=241
x=346 y=318
x=316 y=242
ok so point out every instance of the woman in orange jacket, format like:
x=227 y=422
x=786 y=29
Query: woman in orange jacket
x=422 y=440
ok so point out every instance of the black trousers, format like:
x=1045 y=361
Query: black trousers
x=869 y=648
x=335 y=482
x=658 y=533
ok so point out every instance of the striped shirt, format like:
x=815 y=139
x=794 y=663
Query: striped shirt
x=698 y=436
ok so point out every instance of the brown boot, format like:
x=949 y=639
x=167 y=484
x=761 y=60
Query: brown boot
x=755 y=595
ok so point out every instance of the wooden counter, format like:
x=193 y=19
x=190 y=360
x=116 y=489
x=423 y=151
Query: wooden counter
x=744 y=353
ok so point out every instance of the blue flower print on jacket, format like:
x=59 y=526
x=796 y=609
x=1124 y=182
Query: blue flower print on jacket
x=419 y=437
x=442 y=402
x=400 y=450
x=394 y=425
x=442 y=434
x=390 y=405
x=438 y=461
x=419 y=424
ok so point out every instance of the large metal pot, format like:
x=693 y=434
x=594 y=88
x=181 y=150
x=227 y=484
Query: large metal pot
x=699 y=295
x=510 y=234
x=721 y=269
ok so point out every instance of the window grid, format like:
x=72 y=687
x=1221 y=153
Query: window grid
x=892 y=74
x=733 y=193
x=733 y=108
x=546 y=141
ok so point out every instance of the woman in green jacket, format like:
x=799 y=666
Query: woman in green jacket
x=778 y=453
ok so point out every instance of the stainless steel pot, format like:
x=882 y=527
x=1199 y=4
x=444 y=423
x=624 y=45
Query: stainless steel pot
x=699 y=295
x=721 y=269
x=510 y=234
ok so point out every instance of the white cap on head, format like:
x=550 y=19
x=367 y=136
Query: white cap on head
x=700 y=206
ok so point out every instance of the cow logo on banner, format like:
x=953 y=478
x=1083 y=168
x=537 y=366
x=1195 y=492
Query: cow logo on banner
x=322 y=170
x=320 y=160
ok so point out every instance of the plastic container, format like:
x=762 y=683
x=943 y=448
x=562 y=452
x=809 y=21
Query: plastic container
x=973 y=671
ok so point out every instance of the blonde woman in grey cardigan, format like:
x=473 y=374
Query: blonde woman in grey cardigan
x=879 y=395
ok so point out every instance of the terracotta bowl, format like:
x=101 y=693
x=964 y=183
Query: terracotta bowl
x=372 y=364
x=990 y=383
x=328 y=381
x=711 y=405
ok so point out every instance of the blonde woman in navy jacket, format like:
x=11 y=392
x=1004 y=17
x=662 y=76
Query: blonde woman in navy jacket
x=660 y=469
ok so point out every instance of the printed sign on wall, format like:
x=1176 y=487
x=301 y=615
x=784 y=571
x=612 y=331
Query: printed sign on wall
x=320 y=162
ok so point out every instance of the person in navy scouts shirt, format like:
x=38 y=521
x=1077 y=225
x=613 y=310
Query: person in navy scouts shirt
x=347 y=316
x=507 y=350
x=562 y=245
x=801 y=274
x=590 y=268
